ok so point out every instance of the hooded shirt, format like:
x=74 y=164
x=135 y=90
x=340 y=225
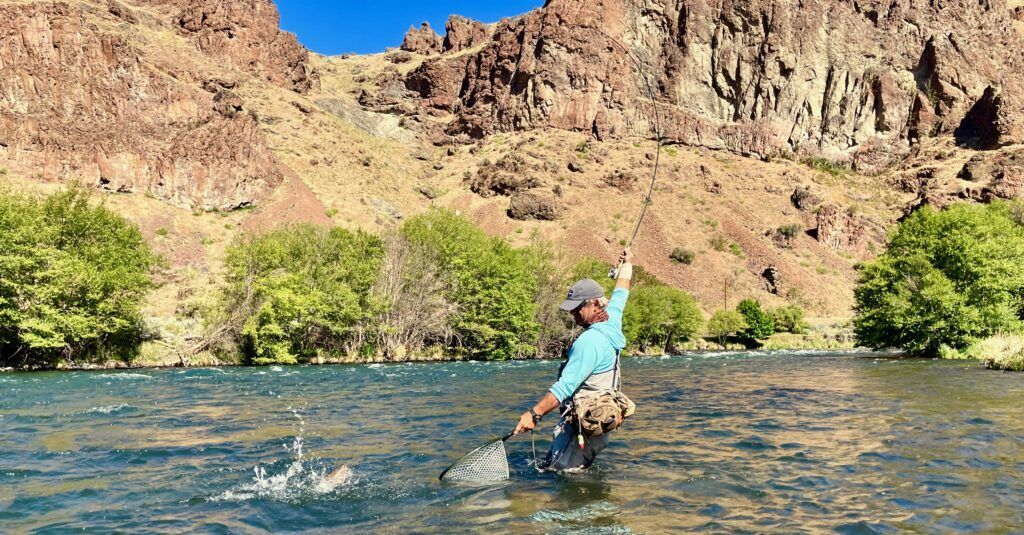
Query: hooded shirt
x=595 y=351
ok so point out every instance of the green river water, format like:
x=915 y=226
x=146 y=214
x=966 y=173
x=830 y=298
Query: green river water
x=794 y=442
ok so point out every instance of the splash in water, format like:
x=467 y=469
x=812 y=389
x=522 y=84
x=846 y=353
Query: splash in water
x=302 y=479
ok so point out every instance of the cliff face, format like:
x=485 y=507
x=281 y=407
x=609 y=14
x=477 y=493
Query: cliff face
x=247 y=33
x=83 y=96
x=853 y=80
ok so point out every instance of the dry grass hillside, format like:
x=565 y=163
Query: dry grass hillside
x=370 y=172
x=777 y=230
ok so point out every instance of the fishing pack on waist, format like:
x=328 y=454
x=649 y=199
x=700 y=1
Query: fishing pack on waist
x=602 y=412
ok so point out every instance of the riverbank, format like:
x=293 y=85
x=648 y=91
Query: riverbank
x=152 y=359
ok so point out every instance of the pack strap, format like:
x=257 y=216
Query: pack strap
x=616 y=378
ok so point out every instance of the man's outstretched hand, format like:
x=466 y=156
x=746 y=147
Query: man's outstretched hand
x=626 y=256
x=625 y=271
x=525 y=423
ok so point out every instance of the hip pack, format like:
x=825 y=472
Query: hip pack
x=600 y=413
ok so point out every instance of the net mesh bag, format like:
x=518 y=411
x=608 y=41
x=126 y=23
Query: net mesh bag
x=486 y=463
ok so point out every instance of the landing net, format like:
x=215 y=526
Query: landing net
x=486 y=463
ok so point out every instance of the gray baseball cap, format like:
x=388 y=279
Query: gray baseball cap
x=580 y=292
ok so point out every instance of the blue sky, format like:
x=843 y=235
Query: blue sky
x=371 y=26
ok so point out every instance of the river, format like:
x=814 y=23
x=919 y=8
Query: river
x=739 y=442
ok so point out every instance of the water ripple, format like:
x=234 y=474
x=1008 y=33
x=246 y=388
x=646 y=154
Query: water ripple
x=739 y=442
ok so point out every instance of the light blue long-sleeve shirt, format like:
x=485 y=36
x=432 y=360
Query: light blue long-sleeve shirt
x=595 y=350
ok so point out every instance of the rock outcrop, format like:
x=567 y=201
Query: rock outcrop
x=804 y=199
x=422 y=41
x=246 y=33
x=462 y=33
x=995 y=176
x=853 y=80
x=82 y=103
x=840 y=229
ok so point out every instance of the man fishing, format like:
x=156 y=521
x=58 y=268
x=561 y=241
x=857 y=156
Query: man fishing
x=591 y=369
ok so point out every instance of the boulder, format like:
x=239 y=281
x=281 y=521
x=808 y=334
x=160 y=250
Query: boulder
x=227 y=104
x=529 y=205
x=804 y=200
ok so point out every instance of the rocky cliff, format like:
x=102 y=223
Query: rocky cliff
x=852 y=80
x=246 y=33
x=85 y=94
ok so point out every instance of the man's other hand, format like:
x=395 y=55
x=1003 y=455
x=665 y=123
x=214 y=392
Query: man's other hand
x=525 y=423
x=626 y=256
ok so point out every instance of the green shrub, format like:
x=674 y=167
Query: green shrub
x=72 y=279
x=760 y=324
x=735 y=249
x=790 y=231
x=999 y=352
x=949 y=353
x=555 y=327
x=494 y=286
x=659 y=317
x=1017 y=212
x=719 y=243
x=827 y=166
x=683 y=256
x=302 y=290
x=947 y=278
x=790 y=319
x=726 y=323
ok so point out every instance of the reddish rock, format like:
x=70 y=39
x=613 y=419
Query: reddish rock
x=839 y=229
x=246 y=33
x=422 y=41
x=227 y=104
x=805 y=200
x=87 y=104
x=507 y=176
x=438 y=82
x=528 y=205
x=119 y=10
x=751 y=76
x=462 y=33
